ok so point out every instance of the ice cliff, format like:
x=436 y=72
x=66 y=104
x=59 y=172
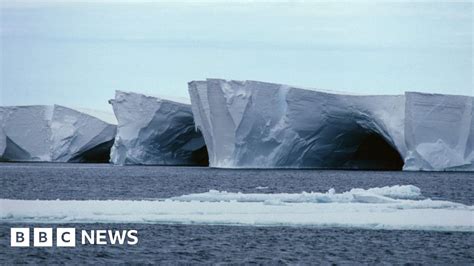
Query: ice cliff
x=263 y=125
x=155 y=131
x=53 y=134
x=439 y=132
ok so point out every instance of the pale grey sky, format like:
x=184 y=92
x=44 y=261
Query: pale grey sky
x=78 y=54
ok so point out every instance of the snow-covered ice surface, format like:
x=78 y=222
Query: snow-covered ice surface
x=155 y=131
x=251 y=124
x=395 y=207
x=53 y=134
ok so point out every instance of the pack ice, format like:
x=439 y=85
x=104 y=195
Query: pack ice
x=156 y=131
x=373 y=208
x=257 y=124
x=55 y=134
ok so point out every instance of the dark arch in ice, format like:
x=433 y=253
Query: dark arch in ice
x=375 y=153
x=97 y=154
x=200 y=156
x=155 y=131
x=339 y=144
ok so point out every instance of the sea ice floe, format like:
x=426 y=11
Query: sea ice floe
x=396 y=207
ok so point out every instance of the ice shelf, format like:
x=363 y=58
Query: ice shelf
x=252 y=124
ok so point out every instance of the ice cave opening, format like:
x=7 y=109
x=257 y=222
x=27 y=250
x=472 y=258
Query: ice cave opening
x=97 y=154
x=200 y=156
x=375 y=153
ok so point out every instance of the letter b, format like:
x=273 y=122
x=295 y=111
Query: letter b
x=43 y=237
x=20 y=237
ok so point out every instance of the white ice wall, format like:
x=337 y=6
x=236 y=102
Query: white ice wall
x=51 y=133
x=258 y=124
x=263 y=125
x=438 y=131
x=154 y=131
x=3 y=137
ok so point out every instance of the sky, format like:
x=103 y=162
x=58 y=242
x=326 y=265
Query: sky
x=78 y=53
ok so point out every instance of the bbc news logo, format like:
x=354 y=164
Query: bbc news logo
x=66 y=237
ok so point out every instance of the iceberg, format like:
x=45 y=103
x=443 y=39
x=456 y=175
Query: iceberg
x=252 y=124
x=3 y=137
x=155 y=131
x=54 y=134
x=3 y=142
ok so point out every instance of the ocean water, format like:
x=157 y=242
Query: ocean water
x=204 y=243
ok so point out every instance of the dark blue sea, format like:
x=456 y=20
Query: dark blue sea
x=170 y=244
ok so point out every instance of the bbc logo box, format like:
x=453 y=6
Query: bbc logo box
x=43 y=237
x=20 y=237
